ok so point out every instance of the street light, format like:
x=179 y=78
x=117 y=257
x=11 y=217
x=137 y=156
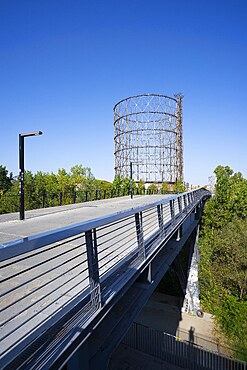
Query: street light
x=131 y=178
x=21 y=167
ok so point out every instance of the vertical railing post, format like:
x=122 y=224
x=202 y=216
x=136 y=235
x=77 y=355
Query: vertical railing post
x=172 y=210
x=160 y=218
x=185 y=202
x=180 y=206
x=189 y=199
x=139 y=235
x=74 y=199
x=93 y=268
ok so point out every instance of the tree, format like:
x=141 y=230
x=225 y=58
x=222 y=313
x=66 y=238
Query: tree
x=141 y=187
x=117 y=183
x=82 y=178
x=229 y=258
x=179 y=187
x=9 y=201
x=223 y=258
x=5 y=179
x=230 y=199
x=165 y=188
x=153 y=189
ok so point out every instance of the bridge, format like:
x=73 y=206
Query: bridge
x=70 y=293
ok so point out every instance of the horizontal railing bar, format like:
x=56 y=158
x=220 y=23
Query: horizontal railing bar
x=24 y=258
x=43 y=262
x=113 y=231
x=113 y=223
x=113 y=245
x=43 y=297
x=20 y=246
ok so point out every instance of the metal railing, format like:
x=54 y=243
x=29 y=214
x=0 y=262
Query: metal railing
x=10 y=203
x=178 y=352
x=44 y=276
x=207 y=343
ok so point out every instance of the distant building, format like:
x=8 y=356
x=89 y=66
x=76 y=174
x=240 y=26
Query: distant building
x=211 y=183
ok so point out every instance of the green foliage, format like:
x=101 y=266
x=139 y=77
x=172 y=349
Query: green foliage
x=46 y=188
x=141 y=187
x=165 y=188
x=223 y=255
x=229 y=257
x=5 y=180
x=231 y=314
x=179 y=187
x=117 y=183
x=230 y=199
x=9 y=202
x=153 y=189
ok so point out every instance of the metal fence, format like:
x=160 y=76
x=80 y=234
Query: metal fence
x=44 y=276
x=207 y=343
x=11 y=202
x=178 y=352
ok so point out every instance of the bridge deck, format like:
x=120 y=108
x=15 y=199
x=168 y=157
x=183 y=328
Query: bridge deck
x=37 y=285
x=45 y=219
x=46 y=276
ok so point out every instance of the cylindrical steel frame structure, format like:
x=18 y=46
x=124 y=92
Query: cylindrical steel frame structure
x=148 y=134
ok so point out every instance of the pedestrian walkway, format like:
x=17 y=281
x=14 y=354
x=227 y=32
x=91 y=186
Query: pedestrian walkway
x=46 y=219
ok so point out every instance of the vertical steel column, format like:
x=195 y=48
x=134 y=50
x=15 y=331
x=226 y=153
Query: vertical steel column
x=185 y=202
x=180 y=206
x=21 y=173
x=172 y=210
x=190 y=198
x=139 y=235
x=93 y=268
x=160 y=218
x=131 y=177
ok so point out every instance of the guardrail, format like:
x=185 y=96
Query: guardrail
x=44 y=276
x=10 y=203
x=178 y=352
x=207 y=343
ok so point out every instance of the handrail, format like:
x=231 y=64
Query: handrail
x=23 y=245
x=43 y=276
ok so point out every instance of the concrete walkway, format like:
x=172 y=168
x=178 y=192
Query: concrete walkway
x=46 y=219
x=162 y=312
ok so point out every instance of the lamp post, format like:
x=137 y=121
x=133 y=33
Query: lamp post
x=21 y=168
x=131 y=177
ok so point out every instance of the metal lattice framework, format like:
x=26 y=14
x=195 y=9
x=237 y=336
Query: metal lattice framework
x=148 y=134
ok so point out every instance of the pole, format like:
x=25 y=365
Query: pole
x=21 y=165
x=21 y=168
x=131 y=176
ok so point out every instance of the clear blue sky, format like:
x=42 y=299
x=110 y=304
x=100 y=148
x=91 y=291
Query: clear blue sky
x=65 y=63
